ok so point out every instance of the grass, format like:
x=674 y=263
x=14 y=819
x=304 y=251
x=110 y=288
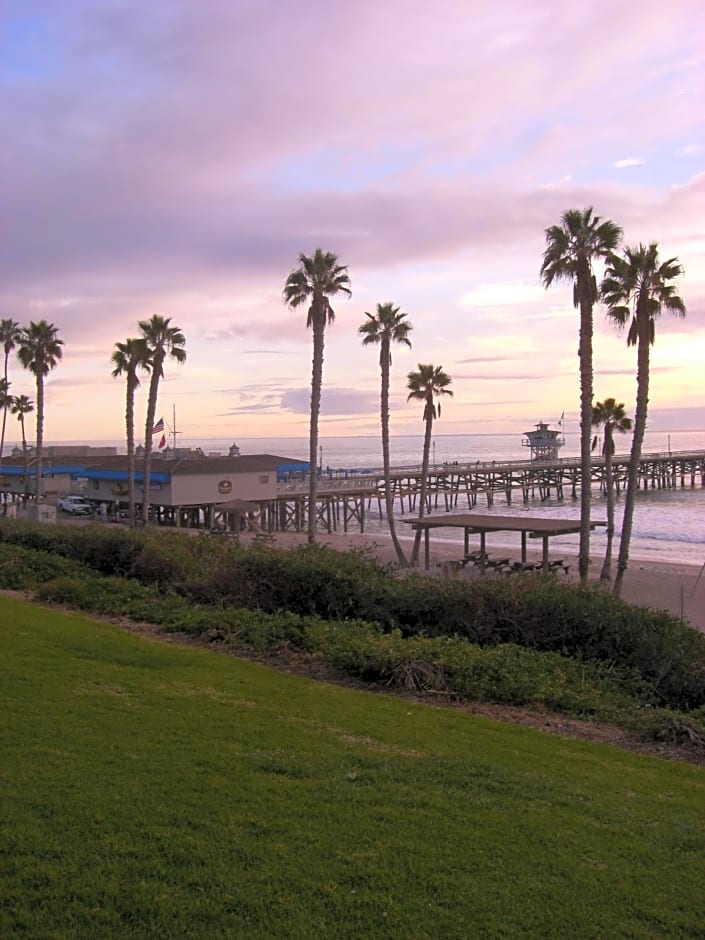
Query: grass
x=153 y=791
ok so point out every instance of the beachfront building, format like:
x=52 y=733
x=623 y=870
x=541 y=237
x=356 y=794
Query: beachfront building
x=61 y=464
x=190 y=491
x=183 y=491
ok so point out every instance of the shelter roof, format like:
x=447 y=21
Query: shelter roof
x=475 y=522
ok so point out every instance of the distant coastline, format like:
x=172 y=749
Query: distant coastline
x=364 y=450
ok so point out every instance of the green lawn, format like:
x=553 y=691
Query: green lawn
x=153 y=791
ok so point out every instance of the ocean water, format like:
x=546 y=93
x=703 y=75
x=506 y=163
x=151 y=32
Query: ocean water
x=669 y=525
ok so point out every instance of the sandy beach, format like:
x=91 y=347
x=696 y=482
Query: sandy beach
x=661 y=586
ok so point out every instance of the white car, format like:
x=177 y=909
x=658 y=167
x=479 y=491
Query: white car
x=78 y=505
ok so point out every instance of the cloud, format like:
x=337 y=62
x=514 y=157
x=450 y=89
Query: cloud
x=628 y=162
x=474 y=360
x=502 y=294
x=334 y=401
x=167 y=161
x=538 y=373
x=653 y=370
x=558 y=183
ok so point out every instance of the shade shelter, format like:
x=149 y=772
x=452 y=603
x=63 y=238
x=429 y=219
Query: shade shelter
x=233 y=510
x=535 y=527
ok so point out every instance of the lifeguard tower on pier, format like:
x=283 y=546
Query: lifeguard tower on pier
x=544 y=443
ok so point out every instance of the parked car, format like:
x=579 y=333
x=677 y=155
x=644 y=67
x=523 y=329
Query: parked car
x=78 y=505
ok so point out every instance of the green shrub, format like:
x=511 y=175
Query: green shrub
x=154 y=556
x=668 y=726
x=449 y=667
x=23 y=569
x=307 y=580
x=120 y=597
x=538 y=613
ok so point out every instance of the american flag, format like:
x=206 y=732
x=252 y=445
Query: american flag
x=158 y=427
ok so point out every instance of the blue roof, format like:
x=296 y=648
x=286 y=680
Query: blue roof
x=156 y=476
x=80 y=470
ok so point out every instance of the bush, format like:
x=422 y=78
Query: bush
x=23 y=569
x=447 y=666
x=539 y=613
x=307 y=580
x=450 y=666
x=119 y=597
x=153 y=556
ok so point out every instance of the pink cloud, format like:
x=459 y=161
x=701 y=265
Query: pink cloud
x=177 y=162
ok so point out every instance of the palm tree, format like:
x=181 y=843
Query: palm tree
x=571 y=250
x=388 y=326
x=9 y=338
x=5 y=403
x=635 y=289
x=314 y=281
x=429 y=383
x=21 y=406
x=161 y=340
x=611 y=417
x=40 y=351
x=127 y=358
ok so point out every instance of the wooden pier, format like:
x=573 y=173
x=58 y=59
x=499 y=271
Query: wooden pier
x=345 y=497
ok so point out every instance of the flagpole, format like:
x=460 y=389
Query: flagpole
x=173 y=407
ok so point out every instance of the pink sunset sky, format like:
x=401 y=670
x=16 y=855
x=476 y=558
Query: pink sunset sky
x=176 y=157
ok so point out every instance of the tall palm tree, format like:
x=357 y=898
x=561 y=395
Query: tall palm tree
x=21 y=406
x=9 y=338
x=636 y=289
x=427 y=384
x=161 y=340
x=40 y=351
x=385 y=327
x=6 y=400
x=611 y=417
x=571 y=250
x=314 y=281
x=127 y=358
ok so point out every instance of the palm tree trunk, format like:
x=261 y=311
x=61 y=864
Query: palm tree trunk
x=642 y=405
x=149 y=425
x=130 y=428
x=24 y=458
x=586 y=394
x=38 y=487
x=316 y=385
x=4 y=424
x=606 y=572
x=424 y=482
x=388 y=495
